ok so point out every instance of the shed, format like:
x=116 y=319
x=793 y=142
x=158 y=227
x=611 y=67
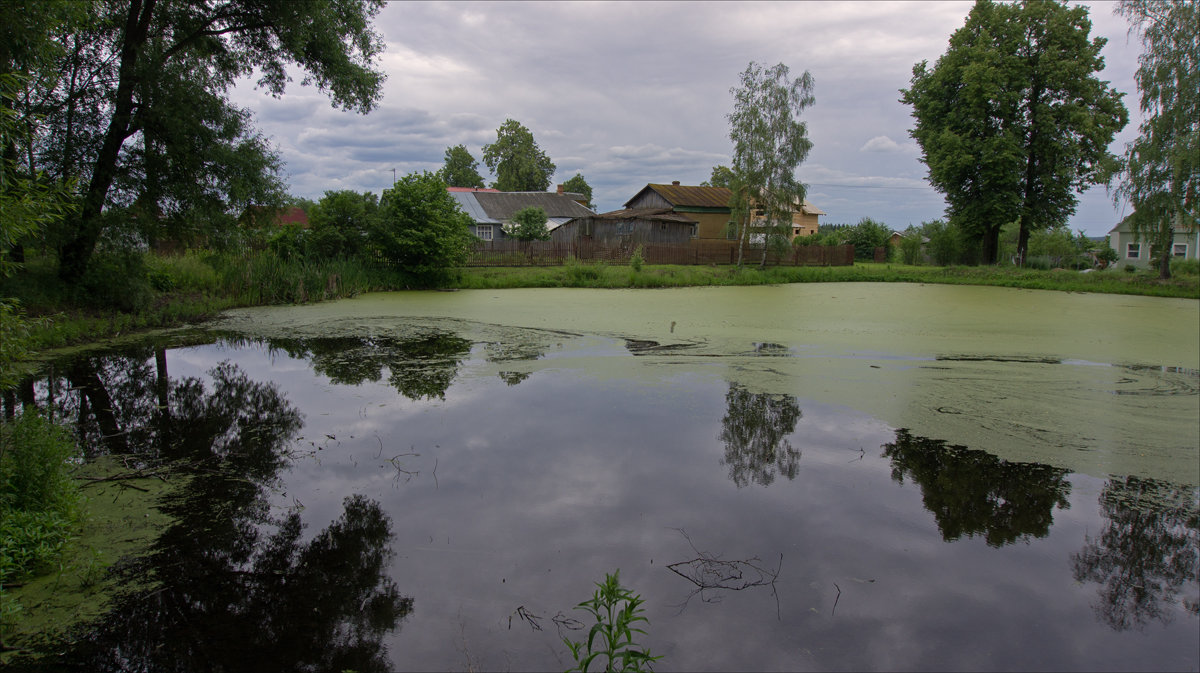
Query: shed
x=629 y=227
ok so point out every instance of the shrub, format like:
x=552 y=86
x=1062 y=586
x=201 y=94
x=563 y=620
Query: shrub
x=117 y=279
x=636 y=260
x=39 y=501
x=1185 y=267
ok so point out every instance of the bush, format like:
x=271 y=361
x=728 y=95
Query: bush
x=117 y=279
x=636 y=260
x=1185 y=267
x=39 y=501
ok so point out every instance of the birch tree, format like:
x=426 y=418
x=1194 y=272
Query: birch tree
x=1161 y=169
x=769 y=143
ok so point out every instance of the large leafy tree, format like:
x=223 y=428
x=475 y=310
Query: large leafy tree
x=1161 y=177
x=519 y=164
x=769 y=142
x=139 y=113
x=1013 y=121
x=421 y=228
x=460 y=169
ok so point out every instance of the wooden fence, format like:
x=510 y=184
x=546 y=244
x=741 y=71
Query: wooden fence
x=552 y=253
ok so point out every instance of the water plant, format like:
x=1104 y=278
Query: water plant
x=616 y=610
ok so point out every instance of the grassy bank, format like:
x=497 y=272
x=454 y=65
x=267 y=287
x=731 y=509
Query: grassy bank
x=1185 y=284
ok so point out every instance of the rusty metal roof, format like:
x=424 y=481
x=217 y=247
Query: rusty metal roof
x=689 y=196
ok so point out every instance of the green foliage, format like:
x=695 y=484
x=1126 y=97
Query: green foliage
x=1161 y=168
x=769 y=142
x=866 y=236
x=528 y=224
x=1012 y=120
x=636 y=260
x=460 y=168
x=722 y=176
x=117 y=279
x=339 y=224
x=578 y=185
x=519 y=164
x=1185 y=267
x=911 y=246
x=945 y=242
x=1106 y=254
x=288 y=242
x=143 y=108
x=39 y=501
x=14 y=341
x=617 y=611
x=421 y=229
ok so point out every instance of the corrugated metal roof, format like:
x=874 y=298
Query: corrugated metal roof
x=696 y=197
x=502 y=205
x=469 y=205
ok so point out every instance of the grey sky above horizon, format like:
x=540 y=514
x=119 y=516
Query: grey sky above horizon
x=630 y=93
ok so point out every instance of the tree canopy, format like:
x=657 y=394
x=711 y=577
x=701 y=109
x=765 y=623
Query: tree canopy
x=528 y=224
x=460 y=168
x=1161 y=168
x=578 y=185
x=1013 y=121
x=722 y=176
x=769 y=142
x=421 y=229
x=137 y=109
x=517 y=161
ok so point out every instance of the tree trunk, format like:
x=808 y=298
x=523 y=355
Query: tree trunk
x=74 y=255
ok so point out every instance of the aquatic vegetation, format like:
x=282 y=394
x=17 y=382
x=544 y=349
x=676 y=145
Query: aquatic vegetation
x=616 y=610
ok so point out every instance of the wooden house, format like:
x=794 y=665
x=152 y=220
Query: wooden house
x=628 y=228
x=709 y=206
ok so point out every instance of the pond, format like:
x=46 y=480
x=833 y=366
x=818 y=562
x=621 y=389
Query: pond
x=804 y=477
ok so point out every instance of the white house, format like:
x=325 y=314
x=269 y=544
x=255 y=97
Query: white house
x=1134 y=251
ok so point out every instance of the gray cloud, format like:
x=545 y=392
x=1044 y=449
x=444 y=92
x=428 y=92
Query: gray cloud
x=631 y=93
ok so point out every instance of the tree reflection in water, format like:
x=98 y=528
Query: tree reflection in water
x=1146 y=553
x=420 y=368
x=973 y=493
x=755 y=430
x=226 y=587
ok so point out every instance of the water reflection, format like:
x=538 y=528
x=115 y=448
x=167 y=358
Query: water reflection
x=226 y=597
x=755 y=430
x=419 y=368
x=226 y=586
x=973 y=492
x=1146 y=553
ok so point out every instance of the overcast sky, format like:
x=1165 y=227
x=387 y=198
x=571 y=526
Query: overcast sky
x=633 y=93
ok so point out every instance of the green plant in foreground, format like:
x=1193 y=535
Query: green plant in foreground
x=616 y=610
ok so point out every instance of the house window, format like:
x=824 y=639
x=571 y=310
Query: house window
x=484 y=231
x=1180 y=250
x=1133 y=250
x=695 y=230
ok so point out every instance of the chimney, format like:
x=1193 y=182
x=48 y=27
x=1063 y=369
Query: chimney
x=560 y=189
x=674 y=183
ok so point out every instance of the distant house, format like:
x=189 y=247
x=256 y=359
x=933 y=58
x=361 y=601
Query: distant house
x=709 y=206
x=1133 y=251
x=262 y=216
x=491 y=209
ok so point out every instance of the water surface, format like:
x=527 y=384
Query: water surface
x=841 y=477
